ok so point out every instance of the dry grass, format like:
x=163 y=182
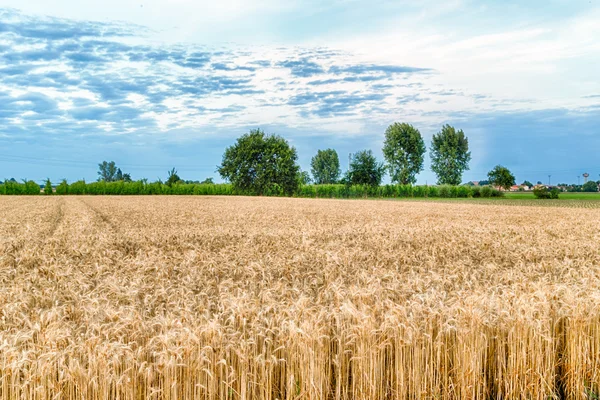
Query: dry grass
x=263 y=298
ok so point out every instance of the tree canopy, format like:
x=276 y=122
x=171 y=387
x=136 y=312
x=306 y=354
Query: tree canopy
x=325 y=167
x=450 y=155
x=258 y=162
x=502 y=177
x=365 y=169
x=173 y=178
x=48 y=187
x=107 y=171
x=404 y=151
x=590 y=186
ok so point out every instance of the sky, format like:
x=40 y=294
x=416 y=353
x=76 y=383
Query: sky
x=156 y=84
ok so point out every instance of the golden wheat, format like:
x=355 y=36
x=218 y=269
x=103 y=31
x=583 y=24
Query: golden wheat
x=264 y=298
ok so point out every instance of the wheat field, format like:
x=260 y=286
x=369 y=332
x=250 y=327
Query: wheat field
x=266 y=298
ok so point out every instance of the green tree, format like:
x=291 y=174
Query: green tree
x=502 y=177
x=404 y=151
x=63 y=187
x=107 y=171
x=364 y=169
x=450 y=155
x=304 y=178
x=48 y=187
x=590 y=186
x=257 y=162
x=208 y=181
x=325 y=167
x=127 y=178
x=173 y=178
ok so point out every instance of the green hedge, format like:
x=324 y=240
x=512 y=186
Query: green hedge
x=16 y=188
x=141 y=188
x=336 y=191
x=395 y=191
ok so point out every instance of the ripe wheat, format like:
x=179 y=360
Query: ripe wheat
x=267 y=298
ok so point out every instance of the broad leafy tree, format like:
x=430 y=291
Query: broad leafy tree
x=107 y=171
x=527 y=183
x=502 y=177
x=325 y=167
x=450 y=155
x=404 y=151
x=257 y=162
x=365 y=169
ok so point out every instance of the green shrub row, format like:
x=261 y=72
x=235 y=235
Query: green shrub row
x=142 y=188
x=336 y=191
x=16 y=188
x=391 y=191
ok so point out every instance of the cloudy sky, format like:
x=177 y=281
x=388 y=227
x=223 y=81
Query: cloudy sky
x=155 y=84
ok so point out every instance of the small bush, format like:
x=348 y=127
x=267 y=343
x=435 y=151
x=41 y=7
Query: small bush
x=433 y=191
x=405 y=190
x=476 y=191
x=420 y=191
x=486 y=191
x=542 y=192
x=78 y=187
x=463 y=191
x=446 y=191
x=63 y=188
x=497 y=193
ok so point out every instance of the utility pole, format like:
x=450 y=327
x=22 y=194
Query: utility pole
x=549 y=179
x=577 y=180
x=349 y=160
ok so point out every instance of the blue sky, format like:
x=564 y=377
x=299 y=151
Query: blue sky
x=159 y=84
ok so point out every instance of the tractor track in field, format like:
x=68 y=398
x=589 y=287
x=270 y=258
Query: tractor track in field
x=57 y=219
x=105 y=219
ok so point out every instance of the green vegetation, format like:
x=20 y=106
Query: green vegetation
x=325 y=167
x=450 y=155
x=266 y=165
x=542 y=192
x=590 y=186
x=501 y=177
x=48 y=187
x=364 y=169
x=261 y=164
x=304 y=178
x=11 y=187
x=404 y=151
x=173 y=178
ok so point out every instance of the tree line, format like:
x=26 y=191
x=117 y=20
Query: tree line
x=259 y=163
x=266 y=164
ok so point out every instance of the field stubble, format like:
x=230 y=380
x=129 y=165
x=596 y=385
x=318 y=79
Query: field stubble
x=265 y=298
